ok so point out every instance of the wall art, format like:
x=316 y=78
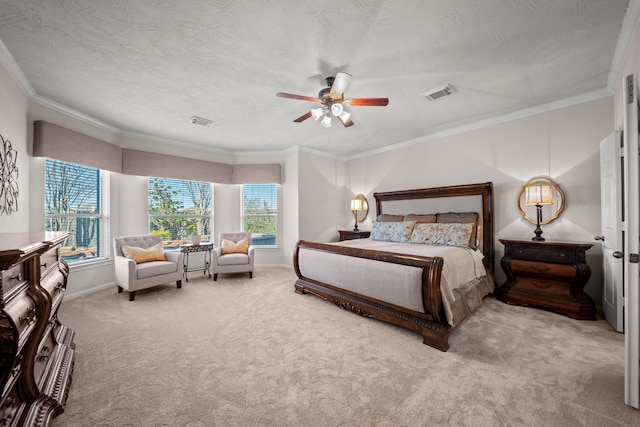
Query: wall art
x=8 y=178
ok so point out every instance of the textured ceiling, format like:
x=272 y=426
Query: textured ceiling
x=145 y=67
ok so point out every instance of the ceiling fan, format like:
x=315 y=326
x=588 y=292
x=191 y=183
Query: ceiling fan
x=333 y=102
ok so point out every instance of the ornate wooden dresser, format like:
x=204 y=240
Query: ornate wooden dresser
x=547 y=274
x=36 y=351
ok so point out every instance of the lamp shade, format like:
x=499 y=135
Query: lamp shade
x=357 y=205
x=326 y=122
x=344 y=116
x=538 y=194
x=316 y=113
x=336 y=109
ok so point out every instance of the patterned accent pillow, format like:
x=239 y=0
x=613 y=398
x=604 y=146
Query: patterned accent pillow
x=426 y=233
x=455 y=234
x=392 y=231
x=464 y=218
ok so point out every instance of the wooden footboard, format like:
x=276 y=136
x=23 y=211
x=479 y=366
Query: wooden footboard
x=432 y=324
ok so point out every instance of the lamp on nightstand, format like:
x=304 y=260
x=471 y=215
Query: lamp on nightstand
x=538 y=195
x=356 y=205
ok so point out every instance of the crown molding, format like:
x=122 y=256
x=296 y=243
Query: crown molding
x=56 y=106
x=621 y=53
x=16 y=72
x=544 y=108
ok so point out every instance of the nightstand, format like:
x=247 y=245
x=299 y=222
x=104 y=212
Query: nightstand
x=547 y=274
x=350 y=235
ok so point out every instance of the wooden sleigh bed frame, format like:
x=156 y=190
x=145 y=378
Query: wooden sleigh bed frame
x=432 y=324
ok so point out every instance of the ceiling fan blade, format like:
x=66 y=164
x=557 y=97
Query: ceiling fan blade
x=346 y=124
x=303 y=117
x=340 y=84
x=300 y=97
x=368 y=102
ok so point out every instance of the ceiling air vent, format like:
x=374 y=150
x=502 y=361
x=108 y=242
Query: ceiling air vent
x=200 y=121
x=440 y=92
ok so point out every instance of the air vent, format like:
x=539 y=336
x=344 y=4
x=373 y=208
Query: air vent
x=440 y=92
x=200 y=121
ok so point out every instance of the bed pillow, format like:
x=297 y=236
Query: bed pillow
x=465 y=218
x=389 y=218
x=392 y=231
x=421 y=218
x=452 y=234
x=140 y=255
x=426 y=233
x=229 y=247
x=455 y=234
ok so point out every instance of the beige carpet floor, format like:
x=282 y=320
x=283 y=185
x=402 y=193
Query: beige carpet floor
x=251 y=352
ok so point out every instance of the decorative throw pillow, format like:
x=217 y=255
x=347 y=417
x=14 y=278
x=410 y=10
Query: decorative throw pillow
x=140 y=255
x=229 y=247
x=389 y=218
x=426 y=233
x=455 y=234
x=465 y=218
x=421 y=218
x=392 y=231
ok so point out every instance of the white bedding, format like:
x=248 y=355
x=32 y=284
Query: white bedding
x=460 y=266
x=393 y=283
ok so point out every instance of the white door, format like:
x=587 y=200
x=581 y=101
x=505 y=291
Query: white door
x=612 y=237
x=631 y=177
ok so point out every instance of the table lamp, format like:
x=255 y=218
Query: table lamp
x=538 y=195
x=356 y=205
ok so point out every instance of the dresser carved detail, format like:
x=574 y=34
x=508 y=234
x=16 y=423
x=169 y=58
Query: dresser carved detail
x=547 y=274
x=37 y=352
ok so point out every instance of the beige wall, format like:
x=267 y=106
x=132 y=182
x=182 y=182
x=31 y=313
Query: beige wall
x=321 y=196
x=562 y=144
x=13 y=127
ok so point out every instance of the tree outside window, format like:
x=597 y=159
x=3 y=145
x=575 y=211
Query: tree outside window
x=74 y=203
x=178 y=209
x=260 y=213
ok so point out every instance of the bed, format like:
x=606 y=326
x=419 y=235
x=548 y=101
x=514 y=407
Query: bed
x=405 y=280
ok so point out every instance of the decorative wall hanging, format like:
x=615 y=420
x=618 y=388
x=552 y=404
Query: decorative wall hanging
x=8 y=178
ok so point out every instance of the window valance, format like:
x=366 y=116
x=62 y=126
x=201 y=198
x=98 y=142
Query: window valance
x=59 y=143
x=145 y=163
x=56 y=142
x=256 y=174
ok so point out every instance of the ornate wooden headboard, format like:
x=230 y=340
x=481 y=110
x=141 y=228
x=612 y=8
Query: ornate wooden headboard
x=456 y=198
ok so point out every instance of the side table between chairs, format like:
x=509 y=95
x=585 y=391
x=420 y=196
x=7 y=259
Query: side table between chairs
x=190 y=248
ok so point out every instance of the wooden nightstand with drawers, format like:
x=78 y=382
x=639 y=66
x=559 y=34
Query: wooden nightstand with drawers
x=547 y=274
x=351 y=235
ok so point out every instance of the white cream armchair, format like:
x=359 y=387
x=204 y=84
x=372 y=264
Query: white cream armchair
x=134 y=276
x=233 y=254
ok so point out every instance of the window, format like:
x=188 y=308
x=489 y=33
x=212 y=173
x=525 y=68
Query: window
x=260 y=213
x=77 y=201
x=178 y=209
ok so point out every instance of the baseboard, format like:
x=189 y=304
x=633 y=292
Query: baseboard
x=74 y=295
x=71 y=296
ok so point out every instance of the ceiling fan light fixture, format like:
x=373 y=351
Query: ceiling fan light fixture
x=326 y=122
x=337 y=108
x=344 y=116
x=316 y=113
